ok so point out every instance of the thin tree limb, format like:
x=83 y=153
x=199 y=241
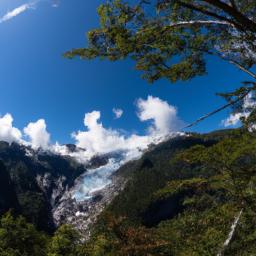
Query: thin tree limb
x=191 y=23
x=211 y=14
x=247 y=71
x=199 y=22
x=231 y=103
x=252 y=74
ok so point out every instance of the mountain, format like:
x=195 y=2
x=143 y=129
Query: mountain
x=169 y=206
x=35 y=181
x=176 y=199
x=44 y=186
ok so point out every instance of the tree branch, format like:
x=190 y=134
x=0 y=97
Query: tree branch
x=200 y=22
x=233 y=12
x=247 y=71
x=211 y=14
x=231 y=103
x=242 y=68
x=193 y=22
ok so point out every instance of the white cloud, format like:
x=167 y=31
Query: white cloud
x=23 y=8
x=164 y=116
x=234 y=118
x=17 y=11
x=9 y=133
x=99 y=140
x=38 y=135
x=117 y=112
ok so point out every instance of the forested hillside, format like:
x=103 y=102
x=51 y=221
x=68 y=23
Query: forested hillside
x=178 y=200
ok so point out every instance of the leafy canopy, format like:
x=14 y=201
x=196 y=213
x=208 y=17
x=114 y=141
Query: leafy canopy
x=171 y=38
x=235 y=159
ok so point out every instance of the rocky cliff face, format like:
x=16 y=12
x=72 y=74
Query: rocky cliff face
x=50 y=190
x=39 y=180
x=83 y=214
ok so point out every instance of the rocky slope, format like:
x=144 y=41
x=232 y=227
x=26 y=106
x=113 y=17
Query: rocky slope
x=37 y=181
x=50 y=189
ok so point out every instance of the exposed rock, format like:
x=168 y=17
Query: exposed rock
x=83 y=214
x=53 y=180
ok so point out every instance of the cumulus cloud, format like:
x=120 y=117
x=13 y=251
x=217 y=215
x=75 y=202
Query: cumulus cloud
x=17 y=11
x=234 y=118
x=38 y=135
x=117 y=112
x=98 y=139
x=163 y=116
x=9 y=133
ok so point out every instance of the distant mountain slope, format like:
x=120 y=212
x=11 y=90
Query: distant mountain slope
x=35 y=181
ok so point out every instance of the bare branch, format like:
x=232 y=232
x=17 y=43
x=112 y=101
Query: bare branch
x=211 y=14
x=231 y=103
x=239 y=66
x=243 y=68
x=247 y=71
x=201 y=22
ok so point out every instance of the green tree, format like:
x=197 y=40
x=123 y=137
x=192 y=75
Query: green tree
x=17 y=238
x=235 y=159
x=170 y=38
x=65 y=242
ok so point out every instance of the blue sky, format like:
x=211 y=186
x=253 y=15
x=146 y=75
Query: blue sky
x=37 y=82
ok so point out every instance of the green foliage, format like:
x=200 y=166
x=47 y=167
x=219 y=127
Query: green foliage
x=119 y=237
x=17 y=237
x=197 y=231
x=170 y=39
x=235 y=158
x=65 y=242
